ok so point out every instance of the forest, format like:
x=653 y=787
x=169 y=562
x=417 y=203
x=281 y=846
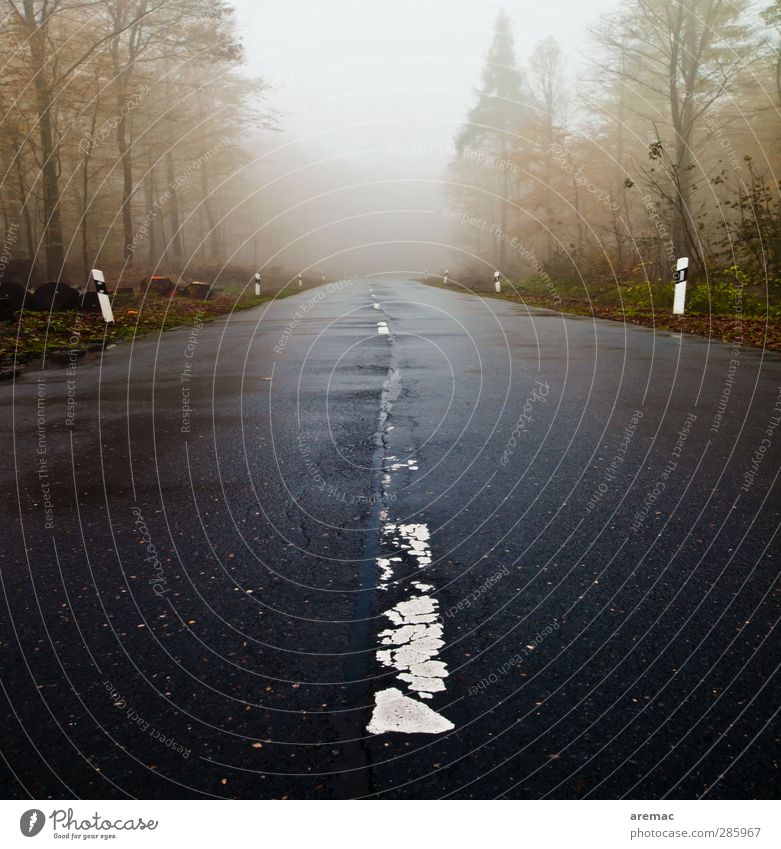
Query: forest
x=666 y=145
x=132 y=131
x=127 y=128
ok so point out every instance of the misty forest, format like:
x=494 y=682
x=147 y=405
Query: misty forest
x=133 y=140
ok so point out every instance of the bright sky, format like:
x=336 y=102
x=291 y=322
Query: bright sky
x=338 y=63
x=372 y=94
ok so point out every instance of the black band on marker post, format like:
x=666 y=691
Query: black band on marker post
x=103 y=299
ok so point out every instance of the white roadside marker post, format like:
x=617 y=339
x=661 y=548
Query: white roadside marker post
x=257 y=284
x=300 y=281
x=322 y=276
x=445 y=279
x=679 y=279
x=103 y=299
x=497 y=282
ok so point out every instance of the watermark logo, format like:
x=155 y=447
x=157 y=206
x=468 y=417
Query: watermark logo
x=31 y=822
x=538 y=396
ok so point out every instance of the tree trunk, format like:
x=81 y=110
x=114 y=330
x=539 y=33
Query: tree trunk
x=176 y=237
x=579 y=219
x=55 y=256
x=123 y=76
x=29 y=227
x=85 y=263
x=123 y=146
x=150 y=201
x=503 y=210
x=214 y=235
x=682 y=219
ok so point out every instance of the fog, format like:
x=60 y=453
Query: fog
x=586 y=142
x=371 y=96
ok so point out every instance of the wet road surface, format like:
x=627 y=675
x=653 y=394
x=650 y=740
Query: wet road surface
x=382 y=539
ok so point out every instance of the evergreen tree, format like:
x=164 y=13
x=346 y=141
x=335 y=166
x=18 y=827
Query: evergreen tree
x=495 y=124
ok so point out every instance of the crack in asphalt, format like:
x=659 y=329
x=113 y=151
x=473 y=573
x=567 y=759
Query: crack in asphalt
x=356 y=781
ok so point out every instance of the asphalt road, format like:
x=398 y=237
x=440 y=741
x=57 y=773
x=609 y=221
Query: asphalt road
x=382 y=539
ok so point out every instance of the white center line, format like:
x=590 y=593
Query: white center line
x=411 y=645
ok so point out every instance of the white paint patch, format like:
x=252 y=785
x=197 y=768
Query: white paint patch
x=415 y=539
x=386 y=571
x=413 y=642
x=411 y=645
x=405 y=464
x=393 y=711
x=382 y=328
x=386 y=563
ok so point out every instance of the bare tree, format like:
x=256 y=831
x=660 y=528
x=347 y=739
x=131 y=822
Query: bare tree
x=678 y=57
x=50 y=73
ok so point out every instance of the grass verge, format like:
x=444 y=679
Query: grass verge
x=31 y=336
x=751 y=330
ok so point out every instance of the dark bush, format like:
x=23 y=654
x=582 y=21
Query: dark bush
x=158 y=285
x=89 y=302
x=201 y=291
x=15 y=293
x=54 y=296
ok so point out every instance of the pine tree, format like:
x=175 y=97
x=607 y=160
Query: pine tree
x=496 y=122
